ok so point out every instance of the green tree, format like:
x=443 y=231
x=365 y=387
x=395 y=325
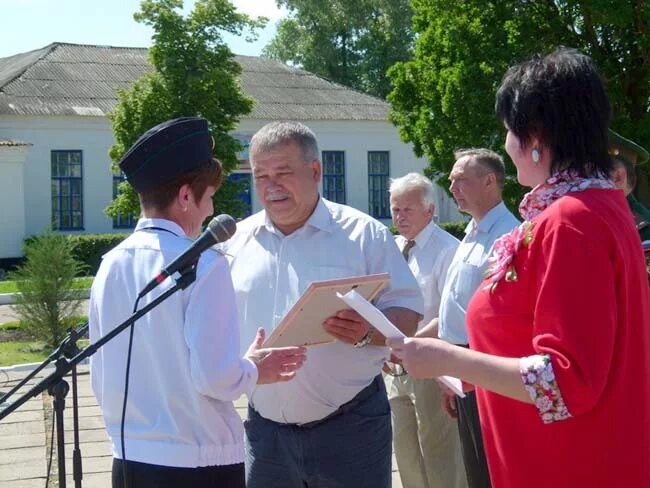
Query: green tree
x=46 y=302
x=195 y=73
x=352 y=42
x=443 y=98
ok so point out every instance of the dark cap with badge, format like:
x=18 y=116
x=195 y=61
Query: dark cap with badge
x=622 y=148
x=166 y=152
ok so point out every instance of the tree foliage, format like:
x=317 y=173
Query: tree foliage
x=351 y=42
x=195 y=74
x=443 y=98
x=46 y=302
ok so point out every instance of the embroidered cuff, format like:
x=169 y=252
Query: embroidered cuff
x=540 y=383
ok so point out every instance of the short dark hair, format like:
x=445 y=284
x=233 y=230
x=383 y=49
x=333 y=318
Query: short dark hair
x=560 y=99
x=488 y=159
x=208 y=174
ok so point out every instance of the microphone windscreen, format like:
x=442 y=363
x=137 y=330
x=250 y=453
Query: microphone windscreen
x=222 y=227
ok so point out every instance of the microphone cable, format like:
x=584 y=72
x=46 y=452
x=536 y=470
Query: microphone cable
x=126 y=395
x=126 y=378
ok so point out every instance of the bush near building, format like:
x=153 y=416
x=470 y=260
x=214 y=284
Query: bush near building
x=88 y=249
x=46 y=302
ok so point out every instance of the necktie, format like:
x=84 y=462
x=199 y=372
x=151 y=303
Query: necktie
x=407 y=248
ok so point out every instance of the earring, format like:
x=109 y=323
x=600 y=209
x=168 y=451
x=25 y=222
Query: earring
x=535 y=155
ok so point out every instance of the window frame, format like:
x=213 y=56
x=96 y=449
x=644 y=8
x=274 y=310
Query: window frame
x=131 y=220
x=332 y=178
x=59 y=212
x=380 y=193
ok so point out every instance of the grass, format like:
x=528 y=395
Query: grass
x=20 y=352
x=23 y=349
x=78 y=284
x=13 y=325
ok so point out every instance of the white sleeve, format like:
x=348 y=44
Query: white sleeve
x=94 y=334
x=212 y=336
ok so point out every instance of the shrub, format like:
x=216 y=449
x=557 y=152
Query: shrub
x=46 y=302
x=88 y=249
x=456 y=229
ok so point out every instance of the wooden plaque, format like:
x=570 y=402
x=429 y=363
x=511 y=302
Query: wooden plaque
x=303 y=323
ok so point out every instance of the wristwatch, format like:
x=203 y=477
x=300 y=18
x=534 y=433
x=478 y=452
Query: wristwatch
x=365 y=340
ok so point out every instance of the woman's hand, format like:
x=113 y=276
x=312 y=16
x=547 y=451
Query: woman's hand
x=275 y=364
x=421 y=357
x=430 y=358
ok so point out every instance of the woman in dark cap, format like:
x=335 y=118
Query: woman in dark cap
x=180 y=428
x=626 y=154
x=559 y=329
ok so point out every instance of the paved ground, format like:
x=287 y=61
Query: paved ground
x=7 y=314
x=25 y=438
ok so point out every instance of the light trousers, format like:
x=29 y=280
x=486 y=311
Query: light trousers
x=426 y=440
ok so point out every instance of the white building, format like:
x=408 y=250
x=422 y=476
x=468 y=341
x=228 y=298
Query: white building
x=55 y=137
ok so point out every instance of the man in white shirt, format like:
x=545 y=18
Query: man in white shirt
x=427 y=446
x=180 y=427
x=331 y=425
x=477 y=180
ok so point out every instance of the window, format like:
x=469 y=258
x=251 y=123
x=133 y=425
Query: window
x=334 y=176
x=245 y=141
x=121 y=222
x=378 y=170
x=67 y=190
x=244 y=194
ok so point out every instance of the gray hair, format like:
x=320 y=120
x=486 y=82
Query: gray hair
x=488 y=160
x=280 y=133
x=414 y=181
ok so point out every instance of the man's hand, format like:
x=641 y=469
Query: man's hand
x=448 y=402
x=393 y=366
x=347 y=326
x=429 y=330
x=275 y=364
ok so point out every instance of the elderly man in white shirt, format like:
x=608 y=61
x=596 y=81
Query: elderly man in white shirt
x=180 y=426
x=477 y=180
x=427 y=446
x=331 y=425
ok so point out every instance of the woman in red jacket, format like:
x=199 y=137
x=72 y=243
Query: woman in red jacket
x=560 y=329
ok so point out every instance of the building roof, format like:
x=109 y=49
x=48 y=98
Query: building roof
x=73 y=79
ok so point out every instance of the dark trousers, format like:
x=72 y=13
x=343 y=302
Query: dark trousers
x=471 y=442
x=348 y=449
x=142 y=475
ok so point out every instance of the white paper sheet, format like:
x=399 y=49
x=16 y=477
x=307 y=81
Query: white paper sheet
x=379 y=321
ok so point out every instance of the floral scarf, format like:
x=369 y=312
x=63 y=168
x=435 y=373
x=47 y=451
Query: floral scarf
x=558 y=185
x=534 y=203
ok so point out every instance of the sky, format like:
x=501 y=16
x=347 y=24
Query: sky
x=33 y=24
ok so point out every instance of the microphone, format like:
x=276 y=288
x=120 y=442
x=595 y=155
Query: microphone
x=220 y=229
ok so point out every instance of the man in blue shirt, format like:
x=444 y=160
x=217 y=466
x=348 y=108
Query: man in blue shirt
x=477 y=180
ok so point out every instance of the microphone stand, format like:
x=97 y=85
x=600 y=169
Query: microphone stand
x=58 y=388
x=67 y=347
